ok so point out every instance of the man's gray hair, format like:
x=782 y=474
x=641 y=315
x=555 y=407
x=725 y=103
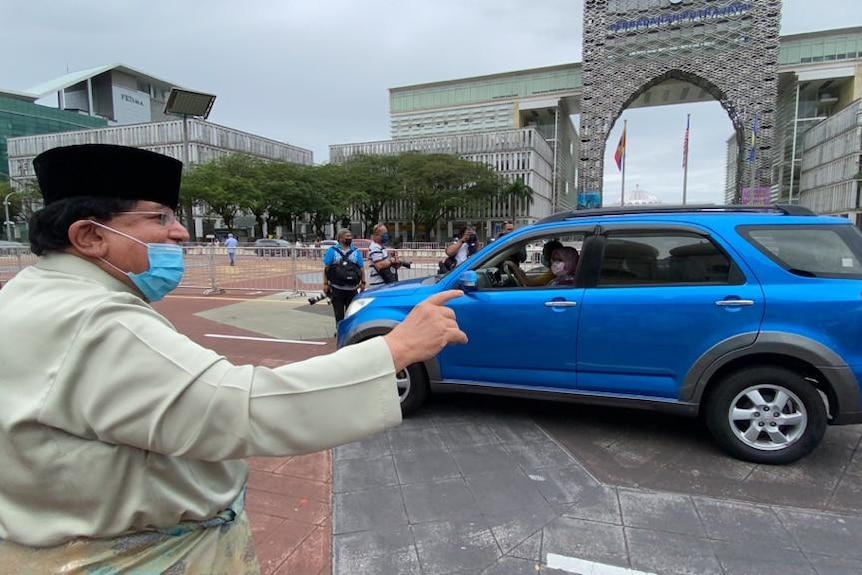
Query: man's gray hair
x=341 y=233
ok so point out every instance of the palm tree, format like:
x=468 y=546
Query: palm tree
x=517 y=191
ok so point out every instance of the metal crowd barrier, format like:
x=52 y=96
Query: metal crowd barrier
x=13 y=260
x=297 y=271
x=423 y=245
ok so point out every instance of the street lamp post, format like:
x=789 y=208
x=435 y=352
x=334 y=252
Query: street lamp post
x=188 y=104
x=7 y=221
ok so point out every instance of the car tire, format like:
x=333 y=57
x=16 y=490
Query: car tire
x=767 y=415
x=412 y=388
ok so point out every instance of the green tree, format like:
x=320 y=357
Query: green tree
x=287 y=187
x=245 y=178
x=209 y=183
x=20 y=202
x=517 y=193
x=371 y=184
x=441 y=185
x=329 y=199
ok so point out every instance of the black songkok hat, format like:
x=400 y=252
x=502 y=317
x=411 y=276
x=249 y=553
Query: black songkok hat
x=108 y=171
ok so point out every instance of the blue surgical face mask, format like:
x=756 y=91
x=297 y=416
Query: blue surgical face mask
x=384 y=239
x=165 y=271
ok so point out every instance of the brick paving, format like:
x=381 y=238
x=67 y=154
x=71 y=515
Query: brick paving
x=289 y=498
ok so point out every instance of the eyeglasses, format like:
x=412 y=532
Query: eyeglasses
x=166 y=218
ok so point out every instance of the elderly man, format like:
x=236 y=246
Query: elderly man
x=122 y=440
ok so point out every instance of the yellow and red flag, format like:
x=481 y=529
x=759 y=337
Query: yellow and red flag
x=620 y=154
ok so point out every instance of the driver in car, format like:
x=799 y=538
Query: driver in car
x=535 y=280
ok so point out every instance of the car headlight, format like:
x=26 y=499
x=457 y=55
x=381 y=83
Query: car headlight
x=357 y=305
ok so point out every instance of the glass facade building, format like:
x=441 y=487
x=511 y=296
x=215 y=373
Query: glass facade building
x=816 y=47
x=116 y=104
x=539 y=82
x=24 y=118
x=825 y=68
x=831 y=167
x=822 y=75
x=203 y=142
x=540 y=99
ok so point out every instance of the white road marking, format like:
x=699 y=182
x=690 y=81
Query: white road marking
x=297 y=341
x=236 y=298
x=584 y=567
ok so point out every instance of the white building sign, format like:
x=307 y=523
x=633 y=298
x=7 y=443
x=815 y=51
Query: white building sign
x=131 y=106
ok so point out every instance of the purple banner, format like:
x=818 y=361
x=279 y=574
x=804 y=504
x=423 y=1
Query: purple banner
x=755 y=196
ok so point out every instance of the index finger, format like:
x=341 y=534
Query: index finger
x=444 y=296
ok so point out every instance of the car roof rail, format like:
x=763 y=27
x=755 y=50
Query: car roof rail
x=786 y=209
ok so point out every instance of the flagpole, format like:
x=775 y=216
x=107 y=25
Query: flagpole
x=623 y=164
x=754 y=128
x=685 y=159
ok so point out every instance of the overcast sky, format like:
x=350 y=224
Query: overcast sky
x=317 y=72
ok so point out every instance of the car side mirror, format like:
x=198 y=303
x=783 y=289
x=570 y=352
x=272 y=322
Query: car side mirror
x=467 y=281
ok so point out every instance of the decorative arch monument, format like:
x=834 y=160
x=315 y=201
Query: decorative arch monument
x=727 y=47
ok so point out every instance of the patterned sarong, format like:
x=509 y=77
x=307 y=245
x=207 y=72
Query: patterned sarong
x=221 y=545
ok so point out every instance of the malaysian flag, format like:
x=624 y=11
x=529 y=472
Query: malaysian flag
x=685 y=142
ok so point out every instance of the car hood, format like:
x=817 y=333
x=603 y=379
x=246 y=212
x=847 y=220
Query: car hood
x=401 y=287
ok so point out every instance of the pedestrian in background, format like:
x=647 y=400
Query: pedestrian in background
x=384 y=260
x=343 y=276
x=464 y=245
x=123 y=439
x=230 y=243
x=520 y=256
x=507 y=228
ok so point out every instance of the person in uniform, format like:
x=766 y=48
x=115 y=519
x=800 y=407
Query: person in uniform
x=121 y=439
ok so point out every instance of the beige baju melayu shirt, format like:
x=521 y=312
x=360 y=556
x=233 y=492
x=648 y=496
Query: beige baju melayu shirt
x=111 y=421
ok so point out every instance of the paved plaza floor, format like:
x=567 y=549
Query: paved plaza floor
x=495 y=486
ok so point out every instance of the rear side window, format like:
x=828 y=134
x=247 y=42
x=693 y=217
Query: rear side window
x=665 y=257
x=811 y=251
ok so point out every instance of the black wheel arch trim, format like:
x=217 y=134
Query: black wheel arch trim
x=382 y=327
x=838 y=374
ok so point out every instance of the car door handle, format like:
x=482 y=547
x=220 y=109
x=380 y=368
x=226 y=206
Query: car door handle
x=561 y=303
x=735 y=302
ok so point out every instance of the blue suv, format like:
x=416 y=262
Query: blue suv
x=749 y=317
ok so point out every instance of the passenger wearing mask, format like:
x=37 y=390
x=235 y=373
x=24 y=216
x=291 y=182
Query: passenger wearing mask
x=564 y=263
